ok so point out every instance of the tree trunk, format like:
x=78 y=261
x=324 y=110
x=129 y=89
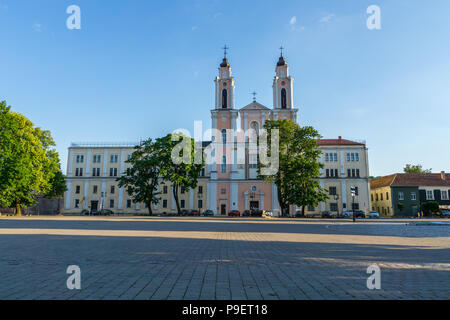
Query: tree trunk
x=150 y=210
x=303 y=211
x=283 y=206
x=175 y=196
x=18 y=210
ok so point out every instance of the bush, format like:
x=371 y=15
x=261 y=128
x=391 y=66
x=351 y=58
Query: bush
x=430 y=207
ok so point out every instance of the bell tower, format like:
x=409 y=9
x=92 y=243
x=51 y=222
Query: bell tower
x=225 y=86
x=283 y=93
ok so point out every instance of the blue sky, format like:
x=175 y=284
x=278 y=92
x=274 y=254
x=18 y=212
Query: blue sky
x=142 y=68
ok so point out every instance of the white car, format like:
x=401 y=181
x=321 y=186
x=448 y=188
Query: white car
x=347 y=214
x=374 y=215
x=268 y=213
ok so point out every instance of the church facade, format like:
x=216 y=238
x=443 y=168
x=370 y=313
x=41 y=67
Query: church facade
x=230 y=183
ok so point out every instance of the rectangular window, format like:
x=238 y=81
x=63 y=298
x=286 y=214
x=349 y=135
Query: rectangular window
x=357 y=191
x=182 y=204
x=348 y=157
x=96 y=172
x=444 y=195
x=401 y=196
x=95 y=189
x=333 y=207
x=77 y=190
x=79 y=172
x=97 y=159
x=387 y=195
x=335 y=157
x=371 y=197
x=328 y=173
x=77 y=203
x=200 y=190
x=223 y=191
x=111 y=203
x=352 y=156
x=202 y=172
x=200 y=203
x=333 y=191
x=80 y=158
x=336 y=173
x=183 y=190
x=357 y=157
x=413 y=196
x=113 y=189
x=381 y=197
x=349 y=172
x=376 y=196
x=128 y=203
x=165 y=190
x=357 y=173
x=327 y=157
x=430 y=195
x=113 y=172
x=164 y=203
x=114 y=158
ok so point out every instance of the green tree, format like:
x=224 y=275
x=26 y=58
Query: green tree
x=28 y=161
x=181 y=163
x=299 y=168
x=410 y=169
x=142 y=178
x=430 y=207
x=58 y=187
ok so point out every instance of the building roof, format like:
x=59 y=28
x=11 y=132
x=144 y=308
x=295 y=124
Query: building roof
x=339 y=142
x=281 y=62
x=224 y=63
x=413 y=180
x=255 y=106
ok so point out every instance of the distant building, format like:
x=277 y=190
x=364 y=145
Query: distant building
x=403 y=194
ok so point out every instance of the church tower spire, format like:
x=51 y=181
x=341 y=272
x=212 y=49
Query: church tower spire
x=283 y=92
x=225 y=85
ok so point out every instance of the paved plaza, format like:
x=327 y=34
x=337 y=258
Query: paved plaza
x=221 y=258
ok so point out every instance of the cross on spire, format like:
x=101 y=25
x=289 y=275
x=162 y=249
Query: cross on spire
x=225 y=48
x=281 y=49
x=254 y=96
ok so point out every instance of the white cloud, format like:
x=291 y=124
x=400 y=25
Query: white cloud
x=293 y=21
x=327 y=18
x=37 y=27
x=294 y=26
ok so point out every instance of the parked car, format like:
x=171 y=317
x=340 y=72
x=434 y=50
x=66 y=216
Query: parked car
x=360 y=214
x=256 y=213
x=106 y=212
x=84 y=213
x=208 y=213
x=445 y=213
x=327 y=215
x=246 y=213
x=194 y=213
x=184 y=213
x=234 y=213
x=95 y=213
x=268 y=213
x=374 y=215
x=348 y=214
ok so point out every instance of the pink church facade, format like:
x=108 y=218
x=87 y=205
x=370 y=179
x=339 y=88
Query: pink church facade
x=233 y=183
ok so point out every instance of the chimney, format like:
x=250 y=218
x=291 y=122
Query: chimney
x=443 y=175
x=340 y=138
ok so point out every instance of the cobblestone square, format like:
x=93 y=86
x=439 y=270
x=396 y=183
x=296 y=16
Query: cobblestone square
x=221 y=258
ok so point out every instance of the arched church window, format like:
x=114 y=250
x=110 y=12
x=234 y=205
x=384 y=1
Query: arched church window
x=255 y=126
x=224 y=99
x=283 y=99
x=224 y=136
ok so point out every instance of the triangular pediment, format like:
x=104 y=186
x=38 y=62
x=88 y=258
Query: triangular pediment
x=255 y=106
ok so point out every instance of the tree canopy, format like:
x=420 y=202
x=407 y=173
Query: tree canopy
x=299 y=168
x=410 y=169
x=142 y=178
x=28 y=161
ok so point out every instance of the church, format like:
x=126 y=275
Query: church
x=231 y=183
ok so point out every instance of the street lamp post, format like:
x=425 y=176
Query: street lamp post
x=336 y=197
x=353 y=190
